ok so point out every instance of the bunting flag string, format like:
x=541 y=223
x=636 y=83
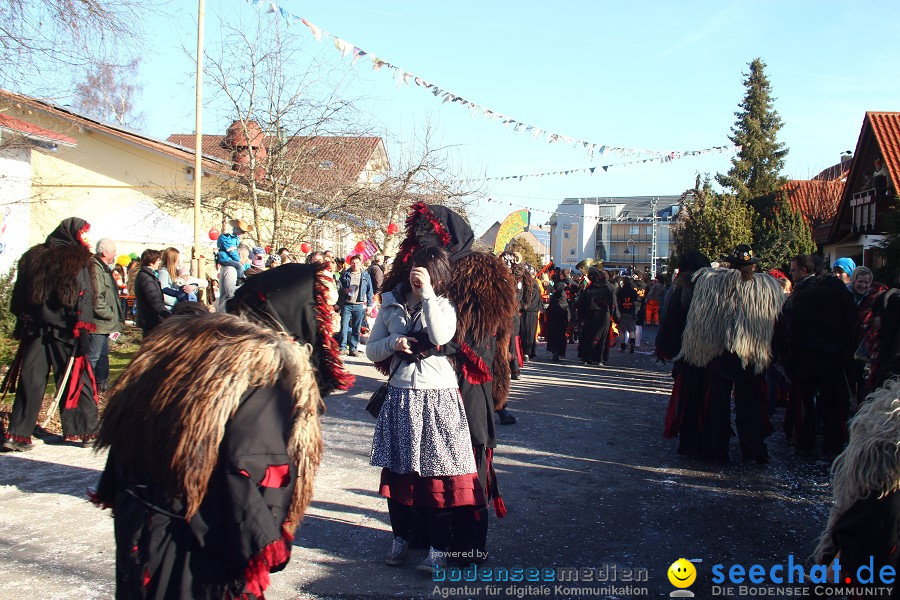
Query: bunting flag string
x=659 y=159
x=405 y=78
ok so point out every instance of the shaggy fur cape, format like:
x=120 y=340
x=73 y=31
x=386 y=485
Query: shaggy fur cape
x=870 y=465
x=729 y=314
x=167 y=413
x=484 y=294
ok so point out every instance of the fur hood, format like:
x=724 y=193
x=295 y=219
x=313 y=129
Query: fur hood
x=167 y=413
x=728 y=314
x=870 y=465
x=484 y=294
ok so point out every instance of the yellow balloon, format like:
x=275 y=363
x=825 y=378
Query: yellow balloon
x=682 y=573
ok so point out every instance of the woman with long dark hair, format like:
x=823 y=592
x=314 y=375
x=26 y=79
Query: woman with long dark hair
x=421 y=436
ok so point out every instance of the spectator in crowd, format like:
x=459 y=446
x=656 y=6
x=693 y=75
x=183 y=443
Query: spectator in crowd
x=315 y=258
x=229 y=277
x=273 y=261
x=843 y=269
x=229 y=244
x=356 y=294
x=257 y=261
x=376 y=272
x=821 y=320
x=120 y=274
x=107 y=312
x=285 y=255
x=150 y=308
x=167 y=272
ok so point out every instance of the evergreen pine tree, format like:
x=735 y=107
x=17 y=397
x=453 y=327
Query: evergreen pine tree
x=712 y=223
x=780 y=232
x=755 y=171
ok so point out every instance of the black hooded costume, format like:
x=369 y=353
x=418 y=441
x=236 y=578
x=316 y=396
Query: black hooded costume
x=53 y=301
x=214 y=440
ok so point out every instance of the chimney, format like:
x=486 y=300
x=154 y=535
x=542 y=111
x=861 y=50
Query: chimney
x=240 y=139
x=846 y=156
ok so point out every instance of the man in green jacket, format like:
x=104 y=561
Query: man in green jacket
x=107 y=311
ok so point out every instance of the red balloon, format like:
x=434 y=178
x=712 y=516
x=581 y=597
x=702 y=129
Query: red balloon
x=305 y=247
x=392 y=229
x=213 y=234
x=360 y=247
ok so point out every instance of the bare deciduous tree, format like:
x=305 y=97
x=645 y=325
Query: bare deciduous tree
x=42 y=42
x=290 y=123
x=108 y=93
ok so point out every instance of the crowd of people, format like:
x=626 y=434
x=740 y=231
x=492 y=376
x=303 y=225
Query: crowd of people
x=450 y=327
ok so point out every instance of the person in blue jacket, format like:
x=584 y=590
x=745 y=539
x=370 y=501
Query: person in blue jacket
x=356 y=294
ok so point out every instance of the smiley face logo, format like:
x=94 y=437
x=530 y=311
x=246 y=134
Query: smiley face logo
x=682 y=573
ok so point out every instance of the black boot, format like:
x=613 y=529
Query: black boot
x=631 y=343
x=622 y=349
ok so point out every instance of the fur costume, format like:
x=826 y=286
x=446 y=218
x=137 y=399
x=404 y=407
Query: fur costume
x=869 y=467
x=483 y=293
x=175 y=442
x=53 y=301
x=214 y=439
x=728 y=314
x=199 y=487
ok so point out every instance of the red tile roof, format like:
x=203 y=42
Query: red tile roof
x=816 y=200
x=886 y=127
x=321 y=160
x=77 y=121
x=33 y=131
x=880 y=135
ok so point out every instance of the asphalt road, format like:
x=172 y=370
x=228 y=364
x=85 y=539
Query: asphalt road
x=587 y=478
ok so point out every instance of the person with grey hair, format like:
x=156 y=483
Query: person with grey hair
x=107 y=311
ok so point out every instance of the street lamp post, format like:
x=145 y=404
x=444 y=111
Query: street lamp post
x=630 y=242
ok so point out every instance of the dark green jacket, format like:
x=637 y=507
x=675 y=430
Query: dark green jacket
x=107 y=310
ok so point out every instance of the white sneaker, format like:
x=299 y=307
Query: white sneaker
x=399 y=549
x=434 y=560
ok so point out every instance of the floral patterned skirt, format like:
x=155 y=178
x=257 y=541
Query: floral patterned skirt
x=423 y=432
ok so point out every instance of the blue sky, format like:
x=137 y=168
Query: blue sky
x=654 y=75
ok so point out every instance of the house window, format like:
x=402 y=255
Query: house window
x=649 y=251
x=633 y=230
x=649 y=229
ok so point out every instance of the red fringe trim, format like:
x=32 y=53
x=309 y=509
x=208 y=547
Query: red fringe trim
x=272 y=555
x=81 y=366
x=473 y=367
x=499 y=507
x=94 y=499
x=411 y=243
x=83 y=325
x=332 y=365
x=81 y=232
x=22 y=439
